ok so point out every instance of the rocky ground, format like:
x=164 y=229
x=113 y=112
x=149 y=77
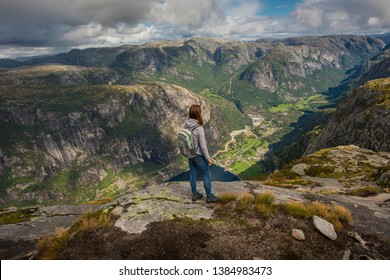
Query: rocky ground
x=161 y=222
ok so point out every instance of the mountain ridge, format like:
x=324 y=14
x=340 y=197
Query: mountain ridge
x=222 y=72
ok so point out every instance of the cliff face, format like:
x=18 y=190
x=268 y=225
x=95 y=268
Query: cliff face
x=363 y=119
x=296 y=67
x=83 y=117
x=375 y=68
x=65 y=137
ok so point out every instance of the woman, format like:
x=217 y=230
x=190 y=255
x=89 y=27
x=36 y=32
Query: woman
x=202 y=158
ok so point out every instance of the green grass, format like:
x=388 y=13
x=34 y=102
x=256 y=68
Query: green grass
x=266 y=198
x=264 y=205
x=365 y=191
x=132 y=125
x=296 y=209
x=227 y=197
x=13 y=135
x=16 y=217
x=192 y=75
x=49 y=247
x=335 y=214
x=244 y=202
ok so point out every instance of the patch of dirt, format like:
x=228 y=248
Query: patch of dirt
x=20 y=250
x=243 y=236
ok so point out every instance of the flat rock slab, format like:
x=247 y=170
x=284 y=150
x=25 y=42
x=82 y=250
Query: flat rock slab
x=45 y=221
x=65 y=210
x=139 y=215
x=36 y=228
x=368 y=214
x=159 y=203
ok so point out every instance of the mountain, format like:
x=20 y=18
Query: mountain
x=9 y=63
x=375 y=68
x=308 y=127
x=305 y=66
x=362 y=119
x=85 y=124
x=68 y=143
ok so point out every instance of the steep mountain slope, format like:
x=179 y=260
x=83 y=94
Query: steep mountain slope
x=68 y=143
x=305 y=66
x=81 y=118
x=363 y=119
x=295 y=143
x=377 y=67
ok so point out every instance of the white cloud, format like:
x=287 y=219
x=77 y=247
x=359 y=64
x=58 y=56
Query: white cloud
x=186 y=12
x=61 y=24
x=237 y=8
x=374 y=21
x=334 y=16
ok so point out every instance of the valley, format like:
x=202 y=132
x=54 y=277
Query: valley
x=91 y=123
x=303 y=122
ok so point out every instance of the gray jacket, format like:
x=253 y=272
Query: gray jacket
x=199 y=138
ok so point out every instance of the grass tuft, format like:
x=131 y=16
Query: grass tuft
x=50 y=246
x=245 y=200
x=343 y=213
x=94 y=221
x=227 y=197
x=264 y=210
x=14 y=217
x=319 y=209
x=99 y=202
x=296 y=209
x=266 y=198
x=365 y=191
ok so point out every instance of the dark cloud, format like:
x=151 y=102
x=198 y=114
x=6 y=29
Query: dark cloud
x=34 y=21
x=39 y=25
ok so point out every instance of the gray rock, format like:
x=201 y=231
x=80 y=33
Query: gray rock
x=35 y=229
x=346 y=254
x=64 y=210
x=138 y=216
x=159 y=203
x=384 y=179
x=117 y=210
x=324 y=227
x=357 y=237
x=299 y=169
x=298 y=234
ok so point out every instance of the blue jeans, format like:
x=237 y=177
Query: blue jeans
x=201 y=162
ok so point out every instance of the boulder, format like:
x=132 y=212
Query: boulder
x=299 y=169
x=324 y=227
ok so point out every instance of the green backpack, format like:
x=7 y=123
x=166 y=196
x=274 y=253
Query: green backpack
x=186 y=142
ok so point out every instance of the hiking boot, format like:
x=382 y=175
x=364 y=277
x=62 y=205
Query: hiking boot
x=197 y=196
x=212 y=199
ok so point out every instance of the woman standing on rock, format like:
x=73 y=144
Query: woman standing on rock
x=202 y=158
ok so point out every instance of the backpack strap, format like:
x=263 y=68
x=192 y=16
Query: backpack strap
x=192 y=130
x=195 y=127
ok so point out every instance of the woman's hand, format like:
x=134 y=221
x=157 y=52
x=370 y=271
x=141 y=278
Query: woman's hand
x=209 y=161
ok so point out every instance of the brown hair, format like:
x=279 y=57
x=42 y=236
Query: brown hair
x=195 y=113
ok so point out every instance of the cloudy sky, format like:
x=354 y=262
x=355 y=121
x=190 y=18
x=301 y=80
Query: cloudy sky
x=34 y=27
